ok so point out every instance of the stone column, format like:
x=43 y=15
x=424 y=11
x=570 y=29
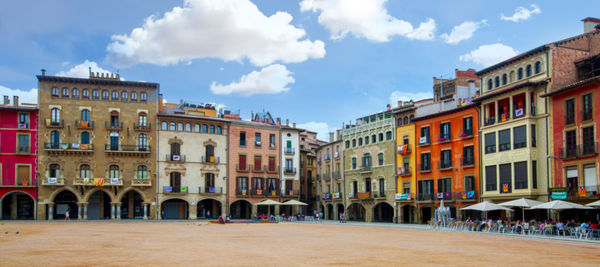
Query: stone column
x=224 y=211
x=118 y=208
x=368 y=213
x=145 y=210
x=79 y=211
x=254 y=209
x=276 y=209
x=192 y=212
x=85 y=211
x=527 y=111
x=51 y=211
x=112 y=211
x=400 y=213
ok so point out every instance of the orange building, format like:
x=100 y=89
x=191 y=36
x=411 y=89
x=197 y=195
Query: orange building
x=447 y=156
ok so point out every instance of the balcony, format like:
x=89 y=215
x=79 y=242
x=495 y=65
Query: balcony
x=113 y=126
x=405 y=172
x=365 y=195
x=467 y=162
x=326 y=176
x=244 y=168
x=265 y=193
x=242 y=192
x=424 y=141
x=175 y=158
x=289 y=171
x=353 y=195
x=271 y=169
x=490 y=121
x=23 y=150
x=289 y=151
x=445 y=165
x=55 y=124
x=130 y=150
x=291 y=193
x=98 y=181
x=211 y=159
x=141 y=182
x=337 y=175
x=365 y=169
x=53 y=181
x=424 y=168
x=142 y=127
x=175 y=189
x=466 y=133
x=425 y=197
x=68 y=148
x=444 y=138
x=83 y=125
x=579 y=151
x=404 y=149
x=256 y=168
x=589 y=149
x=210 y=190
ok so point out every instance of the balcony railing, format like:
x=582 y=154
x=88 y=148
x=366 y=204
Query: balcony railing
x=424 y=141
x=242 y=192
x=467 y=133
x=583 y=192
x=113 y=126
x=424 y=167
x=210 y=190
x=589 y=149
x=289 y=171
x=467 y=162
x=68 y=147
x=444 y=137
x=175 y=189
x=175 y=158
x=586 y=115
x=289 y=151
x=79 y=124
x=23 y=150
x=98 y=181
x=445 y=165
x=336 y=154
x=256 y=168
x=127 y=148
x=211 y=159
x=142 y=127
x=53 y=181
x=404 y=149
x=291 y=193
x=326 y=156
x=141 y=182
x=271 y=169
x=55 y=124
x=326 y=176
x=336 y=175
x=243 y=168
x=490 y=121
x=405 y=171
x=265 y=193
x=586 y=150
x=425 y=197
x=365 y=168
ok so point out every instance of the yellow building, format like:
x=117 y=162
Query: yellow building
x=405 y=163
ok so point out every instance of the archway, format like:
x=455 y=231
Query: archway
x=17 y=206
x=132 y=205
x=208 y=209
x=356 y=212
x=321 y=211
x=174 y=209
x=99 y=206
x=241 y=209
x=426 y=214
x=329 y=211
x=63 y=202
x=383 y=212
x=340 y=209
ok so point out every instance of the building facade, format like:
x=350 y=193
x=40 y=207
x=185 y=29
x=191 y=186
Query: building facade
x=192 y=164
x=290 y=163
x=330 y=178
x=405 y=162
x=18 y=160
x=308 y=169
x=97 y=154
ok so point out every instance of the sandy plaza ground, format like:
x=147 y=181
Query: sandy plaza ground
x=283 y=244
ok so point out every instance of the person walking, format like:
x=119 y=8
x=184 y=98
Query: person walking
x=67 y=215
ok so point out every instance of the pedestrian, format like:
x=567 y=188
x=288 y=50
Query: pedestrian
x=207 y=214
x=321 y=216
x=67 y=215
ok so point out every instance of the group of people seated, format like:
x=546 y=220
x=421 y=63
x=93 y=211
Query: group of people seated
x=227 y=220
x=546 y=226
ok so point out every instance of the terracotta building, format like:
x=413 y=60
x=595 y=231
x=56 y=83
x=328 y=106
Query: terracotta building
x=18 y=155
x=97 y=155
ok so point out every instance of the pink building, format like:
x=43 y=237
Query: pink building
x=18 y=154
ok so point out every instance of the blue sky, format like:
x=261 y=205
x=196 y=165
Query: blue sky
x=319 y=63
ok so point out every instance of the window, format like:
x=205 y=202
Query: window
x=242 y=185
x=210 y=182
x=538 y=67
x=366 y=140
x=380 y=159
x=521 y=175
x=142 y=119
x=171 y=126
x=445 y=186
x=468 y=155
x=23 y=146
x=490 y=143
x=412 y=117
x=360 y=141
x=520 y=137
x=142 y=142
x=504 y=140
x=366 y=160
x=382 y=187
x=533 y=135
x=113 y=171
x=143 y=96
x=54 y=139
x=142 y=172
x=114 y=119
x=175 y=179
x=219 y=130
x=104 y=94
x=257 y=141
x=589 y=177
x=211 y=129
x=446 y=159
x=54 y=171
x=354 y=163
x=467 y=127
x=75 y=93
x=175 y=148
x=347 y=144
x=85 y=138
x=424 y=136
x=115 y=95
x=534 y=174
x=444 y=131
x=505 y=178
x=528 y=70
x=84 y=171
x=520 y=73
x=469 y=183
x=271 y=164
x=85 y=93
x=388 y=135
x=242 y=162
x=587 y=106
x=353 y=142
x=242 y=138
x=504 y=79
x=381 y=137
x=373 y=139
x=196 y=128
x=570 y=111
x=163 y=125
x=55 y=116
x=65 y=92
x=95 y=94
x=188 y=127
x=490 y=178
x=180 y=126
x=399 y=121
x=425 y=162
x=54 y=91
x=497 y=81
x=588 y=140
x=23 y=121
x=204 y=128
x=85 y=115
x=134 y=96
x=405 y=120
x=289 y=166
x=490 y=84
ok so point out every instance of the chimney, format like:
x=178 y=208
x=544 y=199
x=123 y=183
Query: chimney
x=589 y=24
x=43 y=72
x=389 y=107
x=6 y=100
x=16 y=101
x=287 y=122
x=278 y=122
x=331 y=137
x=294 y=125
x=160 y=102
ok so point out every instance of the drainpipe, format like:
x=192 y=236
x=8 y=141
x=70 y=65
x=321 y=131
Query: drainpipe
x=548 y=170
x=227 y=173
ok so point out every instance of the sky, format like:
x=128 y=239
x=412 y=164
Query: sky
x=318 y=63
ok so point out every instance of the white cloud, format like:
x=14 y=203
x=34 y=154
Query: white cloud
x=368 y=19
x=321 y=128
x=396 y=96
x=83 y=70
x=487 y=55
x=522 y=13
x=272 y=79
x=24 y=96
x=231 y=30
x=461 y=32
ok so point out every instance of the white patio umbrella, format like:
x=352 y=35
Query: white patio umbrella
x=594 y=204
x=268 y=202
x=560 y=205
x=522 y=203
x=485 y=207
x=294 y=203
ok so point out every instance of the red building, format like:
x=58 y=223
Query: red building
x=18 y=155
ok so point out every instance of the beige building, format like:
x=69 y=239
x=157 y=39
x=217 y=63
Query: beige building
x=192 y=164
x=97 y=157
x=330 y=178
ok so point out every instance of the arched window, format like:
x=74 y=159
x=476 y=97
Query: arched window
x=511 y=76
x=124 y=96
x=164 y=125
x=142 y=172
x=54 y=91
x=142 y=142
x=353 y=142
x=497 y=81
x=134 y=96
x=528 y=70
x=175 y=148
x=490 y=84
x=412 y=117
x=360 y=141
x=55 y=116
x=143 y=96
x=204 y=128
x=142 y=119
x=188 y=127
x=171 y=126
x=405 y=120
x=366 y=140
x=95 y=94
x=85 y=138
x=54 y=171
x=209 y=153
x=84 y=171
x=538 y=67
x=381 y=137
x=520 y=74
x=212 y=129
x=219 y=130
x=115 y=95
x=197 y=128
x=75 y=93
x=175 y=178
x=85 y=115
x=373 y=139
x=65 y=92
x=388 y=135
x=399 y=122
x=180 y=126
x=54 y=139
x=114 y=119
x=504 y=79
x=113 y=171
x=104 y=94
x=85 y=93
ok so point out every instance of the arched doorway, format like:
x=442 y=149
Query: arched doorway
x=426 y=214
x=17 y=206
x=241 y=209
x=99 y=206
x=132 y=205
x=329 y=211
x=407 y=213
x=340 y=209
x=356 y=212
x=63 y=202
x=174 y=209
x=383 y=212
x=208 y=209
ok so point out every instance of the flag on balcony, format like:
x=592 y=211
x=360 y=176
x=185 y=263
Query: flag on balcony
x=98 y=181
x=84 y=146
x=84 y=124
x=582 y=191
x=470 y=194
x=440 y=195
x=505 y=188
x=258 y=192
x=64 y=146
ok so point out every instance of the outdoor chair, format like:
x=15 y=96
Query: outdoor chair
x=584 y=233
x=535 y=230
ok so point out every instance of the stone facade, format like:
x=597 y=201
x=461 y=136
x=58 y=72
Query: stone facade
x=330 y=179
x=308 y=170
x=97 y=147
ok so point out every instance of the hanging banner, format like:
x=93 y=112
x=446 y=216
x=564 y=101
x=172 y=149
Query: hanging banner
x=582 y=191
x=505 y=188
x=559 y=195
x=98 y=181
